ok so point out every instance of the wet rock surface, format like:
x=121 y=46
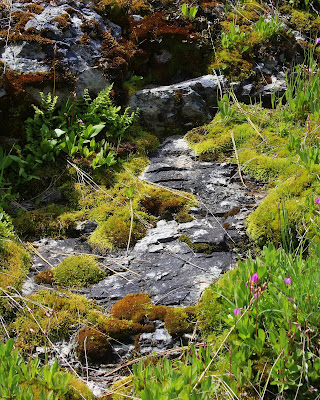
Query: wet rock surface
x=170 y=270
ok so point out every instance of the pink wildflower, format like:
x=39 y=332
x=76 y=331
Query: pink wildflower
x=317 y=201
x=318 y=40
x=254 y=277
x=236 y=311
x=287 y=281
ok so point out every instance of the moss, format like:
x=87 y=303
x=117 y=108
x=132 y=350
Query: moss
x=180 y=320
x=46 y=277
x=233 y=65
x=266 y=222
x=74 y=272
x=50 y=315
x=93 y=345
x=165 y=203
x=78 y=390
x=122 y=388
x=14 y=266
x=157 y=312
x=63 y=21
x=132 y=307
x=210 y=308
x=114 y=233
x=183 y=217
x=41 y=222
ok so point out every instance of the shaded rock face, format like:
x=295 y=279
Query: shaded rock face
x=162 y=264
x=179 y=107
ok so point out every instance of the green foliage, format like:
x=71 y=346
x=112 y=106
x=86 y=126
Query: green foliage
x=167 y=380
x=303 y=90
x=267 y=315
x=235 y=38
x=17 y=377
x=268 y=28
x=189 y=12
x=77 y=128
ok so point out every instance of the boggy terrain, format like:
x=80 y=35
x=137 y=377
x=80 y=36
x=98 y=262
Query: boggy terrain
x=148 y=265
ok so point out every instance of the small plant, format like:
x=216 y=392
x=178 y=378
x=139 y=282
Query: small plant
x=167 y=380
x=268 y=28
x=234 y=39
x=19 y=379
x=189 y=12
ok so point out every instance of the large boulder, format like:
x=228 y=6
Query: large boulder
x=176 y=108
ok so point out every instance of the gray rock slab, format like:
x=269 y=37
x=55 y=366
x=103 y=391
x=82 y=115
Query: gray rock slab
x=178 y=107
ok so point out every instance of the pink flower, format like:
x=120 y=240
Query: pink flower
x=287 y=281
x=254 y=277
x=236 y=311
x=318 y=40
x=317 y=201
x=256 y=296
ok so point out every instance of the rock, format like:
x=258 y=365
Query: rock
x=86 y=227
x=59 y=33
x=179 y=107
x=52 y=196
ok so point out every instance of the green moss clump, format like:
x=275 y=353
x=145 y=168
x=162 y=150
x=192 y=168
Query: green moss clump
x=202 y=247
x=78 y=390
x=233 y=65
x=164 y=203
x=115 y=231
x=41 y=222
x=183 y=217
x=266 y=222
x=211 y=306
x=74 y=272
x=14 y=266
x=180 y=320
x=121 y=389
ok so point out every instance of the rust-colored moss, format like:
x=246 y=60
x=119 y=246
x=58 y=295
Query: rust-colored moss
x=15 y=83
x=44 y=277
x=93 y=345
x=133 y=307
x=34 y=8
x=156 y=26
x=20 y=19
x=232 y=212
x=63 y=21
